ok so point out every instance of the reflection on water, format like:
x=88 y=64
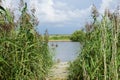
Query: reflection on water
x=65 y=51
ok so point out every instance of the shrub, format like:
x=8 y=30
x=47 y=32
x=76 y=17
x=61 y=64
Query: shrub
x=78 y=36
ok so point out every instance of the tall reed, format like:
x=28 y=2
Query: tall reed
x=99 y=59
x=23 y=53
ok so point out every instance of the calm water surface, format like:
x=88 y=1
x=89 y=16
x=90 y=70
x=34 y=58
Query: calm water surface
x=65 y=51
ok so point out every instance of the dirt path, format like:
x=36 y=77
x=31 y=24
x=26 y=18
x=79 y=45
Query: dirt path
x=59 y=71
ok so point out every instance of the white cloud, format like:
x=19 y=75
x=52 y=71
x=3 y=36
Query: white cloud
x=109 y=4
x=11 y=4
x=46 y=12
x=50 y=12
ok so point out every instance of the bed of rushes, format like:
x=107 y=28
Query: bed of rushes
x=24 y=54
x=100 y=56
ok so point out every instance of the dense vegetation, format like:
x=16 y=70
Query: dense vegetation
x=100 y=57
x=78 y=35
x=23 y=53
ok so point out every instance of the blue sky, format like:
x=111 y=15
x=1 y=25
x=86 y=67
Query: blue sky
x=63 y=16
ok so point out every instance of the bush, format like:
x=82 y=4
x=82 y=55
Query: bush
x=78 y=36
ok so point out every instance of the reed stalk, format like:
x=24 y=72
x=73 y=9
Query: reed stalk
x=103 y=45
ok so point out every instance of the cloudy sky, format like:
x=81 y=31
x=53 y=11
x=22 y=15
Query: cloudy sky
x=63 y=16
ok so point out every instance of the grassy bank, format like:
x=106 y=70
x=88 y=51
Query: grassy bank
x=23 y=53
x=59 y=37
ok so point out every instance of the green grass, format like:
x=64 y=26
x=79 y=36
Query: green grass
x=24 y=54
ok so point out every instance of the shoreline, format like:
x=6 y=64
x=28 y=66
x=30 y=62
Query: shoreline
x=60 y=41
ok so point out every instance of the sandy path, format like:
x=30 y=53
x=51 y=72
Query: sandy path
x=59 y=71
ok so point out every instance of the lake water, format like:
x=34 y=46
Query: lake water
x=65 y=51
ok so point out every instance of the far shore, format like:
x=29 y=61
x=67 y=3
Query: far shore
x=60 y=41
